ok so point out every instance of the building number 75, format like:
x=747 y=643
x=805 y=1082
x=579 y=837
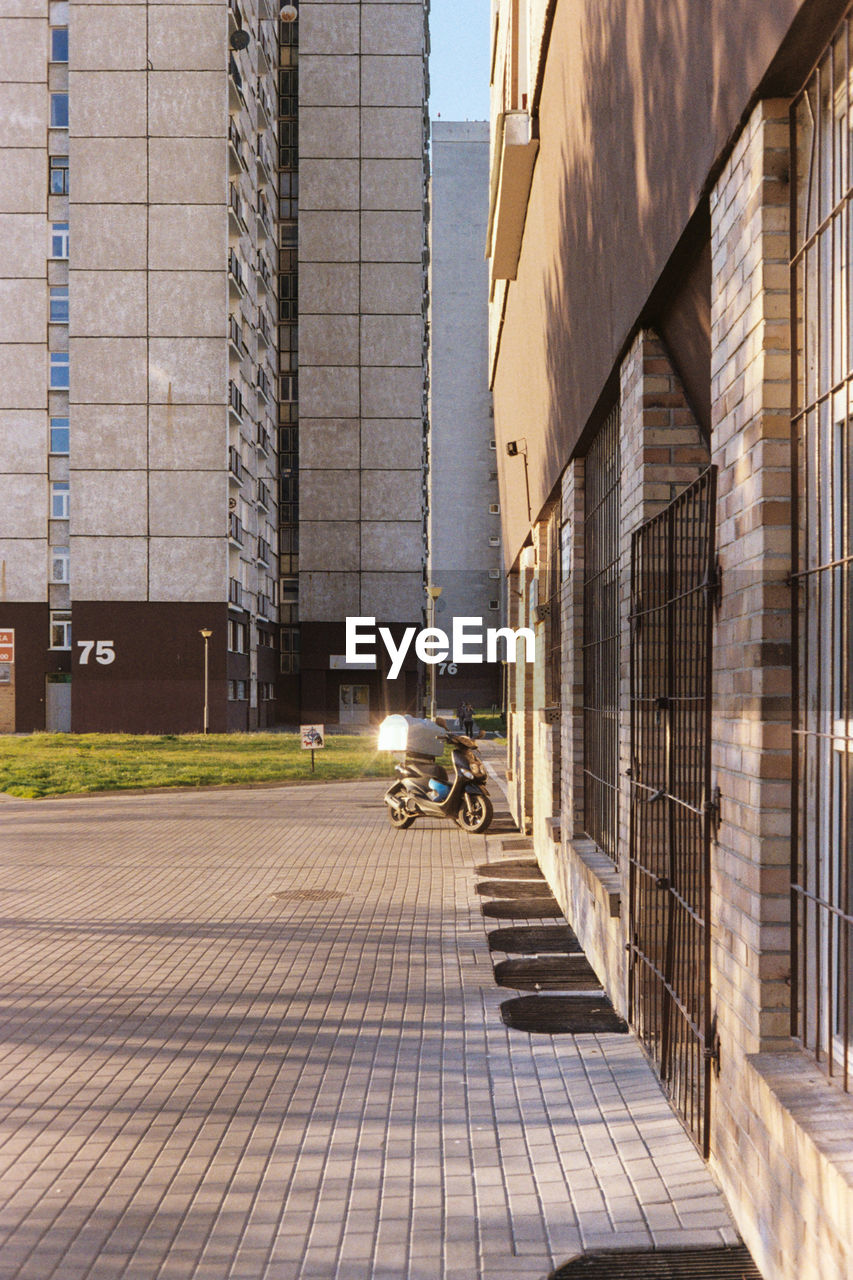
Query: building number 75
x=104 y=651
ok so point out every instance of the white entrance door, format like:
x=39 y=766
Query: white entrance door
x=57 y=705
x=354 y=704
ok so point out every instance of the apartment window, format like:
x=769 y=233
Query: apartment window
x=58 y=177
x=59 y=240
x=240 y=693
x=59 y=435
x=59 y=305
x=60 y=562
x=237 y=637
x=60 y=630
x=59 y=111
x=59 y=371
x=494 y=605
x=601 y=637
x=494 y=509
x=822 y=552
x=59 y=44
x=59 y=492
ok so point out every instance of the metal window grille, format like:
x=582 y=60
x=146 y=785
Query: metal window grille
x=672 y=809
x=601 y=638
x=821 y=295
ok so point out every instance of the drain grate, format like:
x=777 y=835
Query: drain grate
x=535 y=939
x=562 y=1015
x=548 y=973
x=307 y=895
x=522 y=908
x=511 y=869
x=512 y=889
x=731 y=1262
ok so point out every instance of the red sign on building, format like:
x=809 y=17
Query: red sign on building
x=7 y=646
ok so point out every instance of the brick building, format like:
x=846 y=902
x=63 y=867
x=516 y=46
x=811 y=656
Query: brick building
x=670 y=320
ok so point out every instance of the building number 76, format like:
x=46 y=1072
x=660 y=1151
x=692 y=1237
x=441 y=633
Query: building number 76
x=104 y=651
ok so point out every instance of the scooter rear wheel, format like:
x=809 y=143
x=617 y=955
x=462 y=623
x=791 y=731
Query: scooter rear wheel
x=478 y=817
x=399 y=817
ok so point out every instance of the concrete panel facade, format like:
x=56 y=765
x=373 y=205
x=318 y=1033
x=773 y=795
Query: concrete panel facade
x=362 y=297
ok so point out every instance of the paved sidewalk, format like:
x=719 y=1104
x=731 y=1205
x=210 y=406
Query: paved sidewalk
x=254 y=1035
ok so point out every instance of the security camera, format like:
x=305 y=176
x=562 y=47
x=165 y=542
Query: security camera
x=512 y=448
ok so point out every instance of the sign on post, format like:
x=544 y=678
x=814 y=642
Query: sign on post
x=7 y=646
x=313 y=739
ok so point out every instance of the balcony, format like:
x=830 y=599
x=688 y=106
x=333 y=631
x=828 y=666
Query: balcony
x=266 y=115
x=235 y=86
x=265 y=164
x=262 y=440
x=236 y=213
x=236 y=284
x=262 y=328
x=267 y=61
x=264 y=551
x=235 y=593
x=264 y=274
x=236 y=345
x=235 y=401
x=236 y=470
x=264 y=497
x=236 y=149
x=235 y=529
x=264 y=220
x=264 y=386
x=512 y=174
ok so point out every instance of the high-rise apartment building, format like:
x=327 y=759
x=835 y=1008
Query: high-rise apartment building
x=150 y=350
x=362 y=343
x=464 y=512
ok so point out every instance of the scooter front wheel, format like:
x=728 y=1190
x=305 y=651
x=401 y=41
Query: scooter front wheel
x=476 y=813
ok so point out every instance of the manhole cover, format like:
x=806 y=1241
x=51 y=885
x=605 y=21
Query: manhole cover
x=535 y=939
x=548 y=973
x=521 y=908
x=512 y=888
x=307 y=895
x=511 y=869
x=562 y=1015
x=730 y=1262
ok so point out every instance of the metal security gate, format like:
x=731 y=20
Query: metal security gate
x=673 y=581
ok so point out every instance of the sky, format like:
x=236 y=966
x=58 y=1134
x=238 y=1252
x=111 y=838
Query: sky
x=459 y=59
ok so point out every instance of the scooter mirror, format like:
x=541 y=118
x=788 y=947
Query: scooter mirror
x=441 y=722
x=482 y=733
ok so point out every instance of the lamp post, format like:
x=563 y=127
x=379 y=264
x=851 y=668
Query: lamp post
x=433 y=593
x=206 y=636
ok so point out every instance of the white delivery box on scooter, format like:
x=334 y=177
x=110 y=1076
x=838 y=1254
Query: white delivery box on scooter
x=414 y=737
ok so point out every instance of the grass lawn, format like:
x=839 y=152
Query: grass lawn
x=52 y=764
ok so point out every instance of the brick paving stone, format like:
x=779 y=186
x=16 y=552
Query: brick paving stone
x=202 y=1080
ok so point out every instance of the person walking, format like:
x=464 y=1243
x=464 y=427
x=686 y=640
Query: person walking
x=467 y=718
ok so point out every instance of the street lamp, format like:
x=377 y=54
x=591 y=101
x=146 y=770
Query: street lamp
x=206 y=635
x=433 y=593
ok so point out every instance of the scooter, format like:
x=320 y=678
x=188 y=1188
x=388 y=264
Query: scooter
x=424 y=790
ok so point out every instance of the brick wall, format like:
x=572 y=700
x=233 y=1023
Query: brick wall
x=791 y=1199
